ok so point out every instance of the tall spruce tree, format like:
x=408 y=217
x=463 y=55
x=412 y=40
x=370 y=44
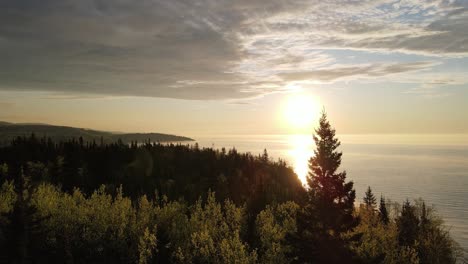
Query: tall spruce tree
x=408 y=225
x=383 y=213
x=23 y=229
x=329 y=194
x=369 y=199
x=328 y=210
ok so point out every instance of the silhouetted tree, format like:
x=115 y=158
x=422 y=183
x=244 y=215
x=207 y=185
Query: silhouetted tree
x=408 y=225
x=424 y=222
x=179 y=171
x=328 y=211
x=23 y=230
x=383 y=213
x=71 y=209
x=329 y=193
x=264 y=157
x=369 y=199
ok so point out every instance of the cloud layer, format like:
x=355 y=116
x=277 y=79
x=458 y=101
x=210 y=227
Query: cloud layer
x=214 y=49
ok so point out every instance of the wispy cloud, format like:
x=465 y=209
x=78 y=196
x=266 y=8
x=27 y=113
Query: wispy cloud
x=428 y=91
x=334 y=73
x=210 y=50
x=432 y=85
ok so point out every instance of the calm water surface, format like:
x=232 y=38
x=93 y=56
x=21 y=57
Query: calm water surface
x=433 y=167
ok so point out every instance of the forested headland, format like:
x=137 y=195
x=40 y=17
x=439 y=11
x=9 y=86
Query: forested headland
x=79 y=201
x=11 y=131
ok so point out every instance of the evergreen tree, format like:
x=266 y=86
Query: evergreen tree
x=22 y=232
x=424 y=218
x=329 y=193
x=408 y=225
x=264 y=157
x=369 y=199
x=383 y=213
x=328 y=210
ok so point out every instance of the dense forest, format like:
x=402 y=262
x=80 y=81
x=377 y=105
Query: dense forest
x=10 y=131
x=79 y=201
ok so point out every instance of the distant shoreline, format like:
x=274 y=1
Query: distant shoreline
x=10 y=131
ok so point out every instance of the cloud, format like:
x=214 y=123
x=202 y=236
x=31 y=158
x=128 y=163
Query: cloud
x=428 y=91
x=433 y=28
x=211 y=50
x=355 y=72
x=432 y=85
x=121 y=48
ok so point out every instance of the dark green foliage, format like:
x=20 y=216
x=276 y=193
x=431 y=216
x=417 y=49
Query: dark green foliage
x=265 y=156
x=414 y=235
x=329 y=194
x=383 y=212
x=312 y=244
x=434 y=244
x=273 y=226
x=307 y=240
x=22 y=226
x=176 y=170
x=82 y=202
x=408 y=225
x=328 y=211
x=369 y=199
x=104 y=228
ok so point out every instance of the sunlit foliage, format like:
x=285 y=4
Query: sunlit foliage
x=273 y=225
x=78 y=202
x=415 y=235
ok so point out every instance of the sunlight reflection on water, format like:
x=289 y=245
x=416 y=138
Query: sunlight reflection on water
x=434 y=167
x=300 y=151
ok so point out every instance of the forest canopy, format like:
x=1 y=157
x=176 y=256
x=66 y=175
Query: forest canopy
x=79 y=201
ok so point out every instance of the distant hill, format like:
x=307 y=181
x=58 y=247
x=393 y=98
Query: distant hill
x=9 y=131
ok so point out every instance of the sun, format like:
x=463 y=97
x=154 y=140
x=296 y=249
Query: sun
x=301 y=112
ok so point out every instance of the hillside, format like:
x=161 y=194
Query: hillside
x=8 y=131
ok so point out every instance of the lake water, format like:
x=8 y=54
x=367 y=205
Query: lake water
x=433 y=167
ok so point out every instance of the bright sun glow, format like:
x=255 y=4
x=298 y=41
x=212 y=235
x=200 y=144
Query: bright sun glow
x=301 y=112
x=301 y=150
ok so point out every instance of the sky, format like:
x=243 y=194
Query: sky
x=208 y=67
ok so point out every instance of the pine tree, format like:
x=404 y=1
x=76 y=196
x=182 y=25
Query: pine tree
x=329 y=193
x=369 y=199
x=328 y=209
x=408 y=225
x=383 y=213
x=424 y=217
x=23 y=231
x=264 y=156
